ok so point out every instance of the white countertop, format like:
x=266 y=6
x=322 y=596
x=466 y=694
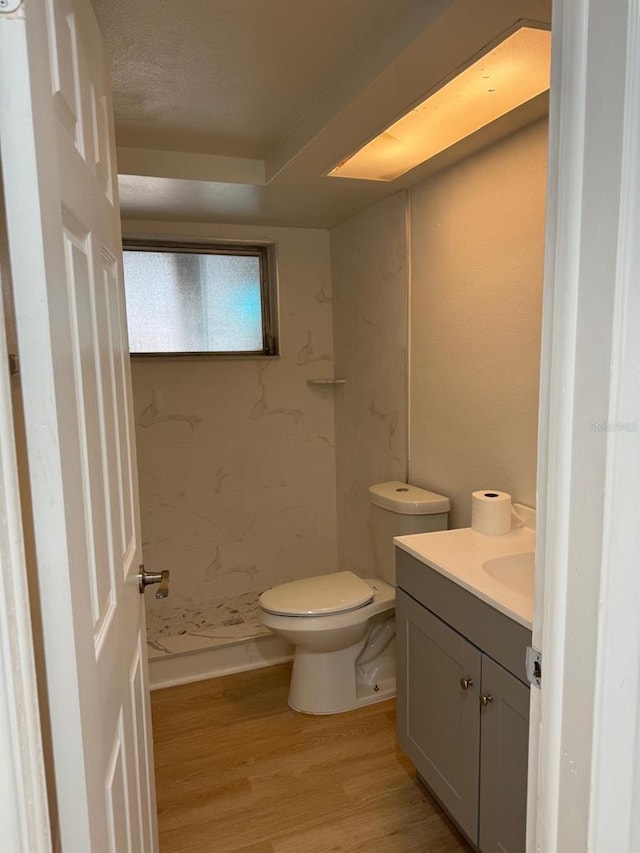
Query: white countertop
x=459 y=554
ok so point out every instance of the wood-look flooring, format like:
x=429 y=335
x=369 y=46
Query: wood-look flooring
x=238 y=772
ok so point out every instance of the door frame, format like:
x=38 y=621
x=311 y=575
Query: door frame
x=583 y=786
x=23 y=792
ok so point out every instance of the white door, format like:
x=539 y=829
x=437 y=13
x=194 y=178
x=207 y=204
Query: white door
x=57 y=144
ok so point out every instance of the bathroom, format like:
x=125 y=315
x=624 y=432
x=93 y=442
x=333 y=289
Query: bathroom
x=409 y=349
x=251 y=477
x=426 y=308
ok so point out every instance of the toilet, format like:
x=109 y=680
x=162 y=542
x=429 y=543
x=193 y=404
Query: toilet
x=343 y=626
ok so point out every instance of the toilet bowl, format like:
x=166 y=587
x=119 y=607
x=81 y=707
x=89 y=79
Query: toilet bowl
x=329 y=642
x=343 y=626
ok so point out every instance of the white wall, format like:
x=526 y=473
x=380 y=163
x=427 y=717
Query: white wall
x=236 y=456
x=368 y=258
x=477 y=234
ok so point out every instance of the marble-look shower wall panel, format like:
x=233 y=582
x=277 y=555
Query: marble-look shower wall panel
x=241 y=567
x=188 y=505
x=236 y=457
x=246 y=411
x=192 y=470
x=368 y=259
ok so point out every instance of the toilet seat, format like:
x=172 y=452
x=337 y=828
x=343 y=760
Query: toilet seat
x=318 y=596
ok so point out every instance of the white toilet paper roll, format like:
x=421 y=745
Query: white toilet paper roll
x=491 y=512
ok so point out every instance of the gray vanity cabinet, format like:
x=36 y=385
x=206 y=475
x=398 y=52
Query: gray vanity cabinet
x=463 y=705
x=503 y=768
x=438 y=721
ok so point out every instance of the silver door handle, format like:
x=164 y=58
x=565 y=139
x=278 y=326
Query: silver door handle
x=146 y=578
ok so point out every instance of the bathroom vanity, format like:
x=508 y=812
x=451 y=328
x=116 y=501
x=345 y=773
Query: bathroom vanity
x=463 y=693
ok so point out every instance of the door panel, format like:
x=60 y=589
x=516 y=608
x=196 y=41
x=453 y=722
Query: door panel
x=116 y=795
x=65 y=82
x=438 y=721
x=56 y=139
x=79 y=286
x=504 y=748
x=141 y=769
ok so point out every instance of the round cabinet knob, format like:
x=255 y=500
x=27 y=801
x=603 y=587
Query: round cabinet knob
x=485 y=699
x=466 y=683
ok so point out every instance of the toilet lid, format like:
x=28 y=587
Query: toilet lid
x=317 y=596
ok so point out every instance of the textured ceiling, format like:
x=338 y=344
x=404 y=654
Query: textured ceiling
x=235 y=111
x=229 y=77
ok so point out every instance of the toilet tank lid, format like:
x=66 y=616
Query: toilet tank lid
x=317 y=596
x=408 y=500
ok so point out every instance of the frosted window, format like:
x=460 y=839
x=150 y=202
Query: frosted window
x=181 y=302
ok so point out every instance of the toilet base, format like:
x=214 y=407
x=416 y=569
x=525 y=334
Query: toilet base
x=329 y=683
x=386 y=691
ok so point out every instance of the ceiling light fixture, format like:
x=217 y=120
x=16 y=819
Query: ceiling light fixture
x=505 y=76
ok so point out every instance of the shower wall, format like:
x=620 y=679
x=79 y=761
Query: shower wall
x=236 y=456
x=369 y=266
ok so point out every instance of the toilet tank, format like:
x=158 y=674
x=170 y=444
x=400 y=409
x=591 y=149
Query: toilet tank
x=398 y=509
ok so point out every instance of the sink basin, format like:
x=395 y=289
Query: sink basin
x=496 y=569
x=514 y=571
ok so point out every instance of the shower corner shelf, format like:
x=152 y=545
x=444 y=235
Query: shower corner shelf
x=326 y=381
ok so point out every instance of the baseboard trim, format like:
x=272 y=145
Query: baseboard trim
x=171 y=670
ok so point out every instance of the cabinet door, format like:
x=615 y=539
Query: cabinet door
x=438 y=723
x=503 y=775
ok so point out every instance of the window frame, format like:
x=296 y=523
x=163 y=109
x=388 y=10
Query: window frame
x=265 y=252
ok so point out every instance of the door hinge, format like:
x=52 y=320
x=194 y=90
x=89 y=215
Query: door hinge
x=14 y=362
x=534 y=666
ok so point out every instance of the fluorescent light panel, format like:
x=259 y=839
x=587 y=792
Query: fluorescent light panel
x=512 y=73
